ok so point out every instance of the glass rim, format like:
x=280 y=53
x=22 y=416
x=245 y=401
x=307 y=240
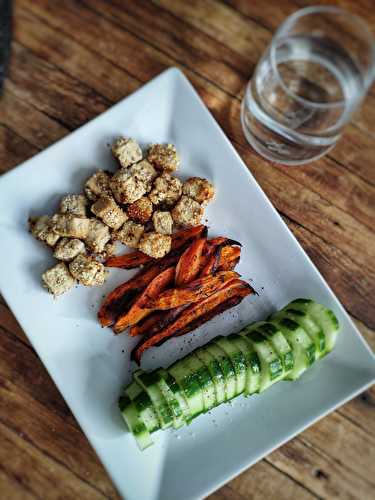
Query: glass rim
x=355 y=19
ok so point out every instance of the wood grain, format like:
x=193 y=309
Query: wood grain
x=72 y=60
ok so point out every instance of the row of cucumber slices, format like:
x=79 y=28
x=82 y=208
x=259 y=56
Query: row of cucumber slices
x=247 y=362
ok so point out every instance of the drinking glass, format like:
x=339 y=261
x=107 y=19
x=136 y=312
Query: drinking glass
x=311 y=79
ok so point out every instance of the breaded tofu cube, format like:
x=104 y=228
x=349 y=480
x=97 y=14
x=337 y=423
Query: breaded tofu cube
x=187 y=212
x=141 y=210
x=97 y=236
x=164 y=157
x=42 y=229
x=106 y=208
x=88 y=271
x=166 y=190
x=97 y=185
x=71 y=226
x=126 y=151
x=144 y=172
x=127 y=188
x=58 y=279
x=163 y=222
x=109 y=250
x=155 y=245
x=74 y=204
x=130 y=234
x=68 y=248
x=199 y=189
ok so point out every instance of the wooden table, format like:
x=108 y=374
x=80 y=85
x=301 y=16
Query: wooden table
x=70 y=62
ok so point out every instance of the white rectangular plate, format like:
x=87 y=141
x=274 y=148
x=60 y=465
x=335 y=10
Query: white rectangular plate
x=90 y=365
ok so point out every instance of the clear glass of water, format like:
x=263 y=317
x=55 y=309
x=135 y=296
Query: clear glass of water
x=311 y=79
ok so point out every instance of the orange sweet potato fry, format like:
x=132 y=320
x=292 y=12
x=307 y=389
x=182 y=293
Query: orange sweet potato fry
x=119 y=300
x=184 y=236
x=187 y=268
x=229 y=265
x=236 y=288
x=192 y=292
x=212 y=262
x=229 y=253
x=137 y=311
x=129 y=260
x=137 y=258
x=156 y=321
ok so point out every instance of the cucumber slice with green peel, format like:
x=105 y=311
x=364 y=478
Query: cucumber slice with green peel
x=189 y=383
x=310 y=326
x=177 y=392
x=252 y=361
x=150 y=383
x=278 y=341
x=205 y=381
x=135 y=425
x=143 y=405
x=238 y=360
x=271 y=365
x=303 y=346
x=226 y=368
x=174 y=405
x=217 y=376
x=323 y=316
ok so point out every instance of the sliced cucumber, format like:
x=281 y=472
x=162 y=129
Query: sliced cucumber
x=310 y=326
x=134 y=423
x=238 y=361
x=303 y=346
x=252 y=361
x=178 y=394
x=150 y=382
x=205 y=381
x=278 y=341
x=174 y=405
x=271 y=365
x=217 y=376
x=189 y=383
x=226 y=368
x=323 y=316
x=143 y=405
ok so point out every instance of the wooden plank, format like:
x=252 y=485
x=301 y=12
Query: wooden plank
x=349 y=445
x=221 y=102
x=264 y=481
x=51 y=91
x=44 y=475
x=21 y=366
x=322 y=475
x=350 y=282
x=13 y=149
x=40 y=130
x=52 y=436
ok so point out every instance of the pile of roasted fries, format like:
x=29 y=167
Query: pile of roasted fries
x=174 y=295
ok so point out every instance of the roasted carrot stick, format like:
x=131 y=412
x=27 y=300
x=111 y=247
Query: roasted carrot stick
x=120 y=298
x=153 y=289
x=229 y=253
x=192 y=292
x=187 y=268
x=191 y=313
x=137 y=258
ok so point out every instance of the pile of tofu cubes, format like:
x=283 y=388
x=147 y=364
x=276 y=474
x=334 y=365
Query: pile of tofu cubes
x=138 y=205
